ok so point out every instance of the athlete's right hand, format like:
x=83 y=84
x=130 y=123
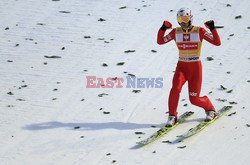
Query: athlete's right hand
x=166 y=25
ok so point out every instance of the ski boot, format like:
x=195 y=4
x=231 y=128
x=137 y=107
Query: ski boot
x=210 y=115
x=171 y=121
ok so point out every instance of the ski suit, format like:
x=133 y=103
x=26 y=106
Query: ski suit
x=189 y=67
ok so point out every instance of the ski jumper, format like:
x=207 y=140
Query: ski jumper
x=189 y=67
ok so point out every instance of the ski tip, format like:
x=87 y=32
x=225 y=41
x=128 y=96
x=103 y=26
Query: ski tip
x=140 y=143
x=224 y=109
x=180 y=137
x=137 y=146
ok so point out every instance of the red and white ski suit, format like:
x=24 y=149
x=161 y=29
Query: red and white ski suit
x=189 y=67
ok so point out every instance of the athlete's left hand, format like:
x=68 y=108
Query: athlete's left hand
x=210 y=24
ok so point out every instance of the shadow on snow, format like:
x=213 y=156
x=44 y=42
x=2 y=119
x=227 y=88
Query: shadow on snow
x=87 y=126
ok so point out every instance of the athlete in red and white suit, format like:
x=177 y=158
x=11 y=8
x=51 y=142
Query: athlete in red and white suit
x=189 y=67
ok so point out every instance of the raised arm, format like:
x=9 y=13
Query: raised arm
x=213 y=38
x=161 y=39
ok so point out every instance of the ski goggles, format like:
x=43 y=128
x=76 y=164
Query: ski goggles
x=181 y=19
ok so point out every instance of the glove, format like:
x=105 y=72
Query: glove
x=166 y=25
x=210 y=25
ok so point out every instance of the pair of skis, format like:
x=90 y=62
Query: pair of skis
x=164 y=130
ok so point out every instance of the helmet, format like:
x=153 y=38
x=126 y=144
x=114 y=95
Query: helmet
x=184 y=15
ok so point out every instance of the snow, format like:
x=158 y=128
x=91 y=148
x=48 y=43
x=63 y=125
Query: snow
x=48 y=116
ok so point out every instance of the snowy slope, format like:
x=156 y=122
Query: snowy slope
x=48 y=116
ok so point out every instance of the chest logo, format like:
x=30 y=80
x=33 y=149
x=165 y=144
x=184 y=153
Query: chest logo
x=186 y=37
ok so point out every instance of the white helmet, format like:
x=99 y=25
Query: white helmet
x=184 y=14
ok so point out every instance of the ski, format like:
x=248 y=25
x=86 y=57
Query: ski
x=203 y=124
x=162 y=131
